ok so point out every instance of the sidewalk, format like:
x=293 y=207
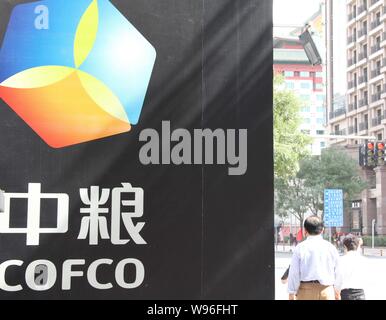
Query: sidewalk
x=366 y=251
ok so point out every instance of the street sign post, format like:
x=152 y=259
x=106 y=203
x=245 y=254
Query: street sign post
x=333 y=208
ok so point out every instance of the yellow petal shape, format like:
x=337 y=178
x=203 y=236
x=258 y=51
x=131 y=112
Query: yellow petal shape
x=38 y=77
x=102 y=96
x=86 y=34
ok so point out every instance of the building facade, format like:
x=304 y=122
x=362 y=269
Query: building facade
x=364 y=112
x=307 y=81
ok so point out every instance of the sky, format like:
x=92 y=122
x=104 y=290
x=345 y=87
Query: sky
x=296 y=12
x=286 y=12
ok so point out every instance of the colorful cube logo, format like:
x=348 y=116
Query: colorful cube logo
x=74 y=71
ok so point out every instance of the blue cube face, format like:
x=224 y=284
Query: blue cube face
x=49 y=40
x=121 y=58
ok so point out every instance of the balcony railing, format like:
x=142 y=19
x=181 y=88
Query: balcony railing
x=363 y=102
x=351 y=61
x=375 y=73
x=377 y=121
x=351 y=84
x=362 y=79
x=361 y=9
x=352 y=130
x=362 y=32
x=363 y=126
x=362 y=55
x=337 y=113
x=376 y=97
x=375 y=24
x=375 y=48
x=351 y=39
x=352 y=107
x=372 y=2
x=340 y=132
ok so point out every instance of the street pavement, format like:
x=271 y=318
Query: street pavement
x=375 y=288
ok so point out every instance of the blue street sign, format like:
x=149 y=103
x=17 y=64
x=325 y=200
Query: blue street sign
x=333 y=208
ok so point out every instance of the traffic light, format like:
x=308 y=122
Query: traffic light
x=370 y=154
x=380 y=153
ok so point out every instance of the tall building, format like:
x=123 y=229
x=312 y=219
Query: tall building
x=366 y=67
x=364 y=112
x=306 y=81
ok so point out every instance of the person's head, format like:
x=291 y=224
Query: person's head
x=313 y=225
x=352 y=243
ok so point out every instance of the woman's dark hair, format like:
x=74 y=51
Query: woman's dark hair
x=313 y=225
x=351 y=242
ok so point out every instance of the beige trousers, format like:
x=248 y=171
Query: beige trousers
x=315 y=291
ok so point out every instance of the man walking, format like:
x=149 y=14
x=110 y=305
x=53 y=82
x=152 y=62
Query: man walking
x=314 y=265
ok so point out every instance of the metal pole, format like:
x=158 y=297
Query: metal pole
x=372 y=233
x=329 y=56
x=276 y=236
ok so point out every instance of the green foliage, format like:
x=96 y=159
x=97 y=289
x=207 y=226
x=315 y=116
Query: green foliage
x=334 y=169
x=304 y=192
x=379 y=241
x=289 y=142
x=291 y=197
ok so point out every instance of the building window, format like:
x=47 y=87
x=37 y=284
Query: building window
x=322 y=145
x=320 y=132
x=288 y=73
x=318 y=86
x=305 y=74
x=290 y=85
x=305 y=97
x=305 y=109
x=306 y=120
x=320 y=109
x=306 y=131
x=320 y=121
x=305 y=85
x=319 y=74
x=379 y=136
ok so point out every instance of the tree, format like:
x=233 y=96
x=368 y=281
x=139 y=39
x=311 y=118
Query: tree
x=334 y=169
x=292 y=197
x=289 y=142
x=303 y=193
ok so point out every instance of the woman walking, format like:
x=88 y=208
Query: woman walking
x=351 y=271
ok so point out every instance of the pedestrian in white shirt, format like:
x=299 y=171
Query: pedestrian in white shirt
x=314 y=265
x=350 y=279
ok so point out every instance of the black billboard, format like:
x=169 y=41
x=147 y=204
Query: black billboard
x=136 y=140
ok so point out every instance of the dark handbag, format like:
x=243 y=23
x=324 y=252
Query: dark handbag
x=285 y=274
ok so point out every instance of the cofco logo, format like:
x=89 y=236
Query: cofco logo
x=74 y=71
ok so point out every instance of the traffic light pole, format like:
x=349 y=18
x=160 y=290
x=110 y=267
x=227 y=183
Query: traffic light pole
x=333 y=136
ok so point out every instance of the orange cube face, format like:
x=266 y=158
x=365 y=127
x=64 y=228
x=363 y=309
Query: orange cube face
x=77 y=77
x=63 y=114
